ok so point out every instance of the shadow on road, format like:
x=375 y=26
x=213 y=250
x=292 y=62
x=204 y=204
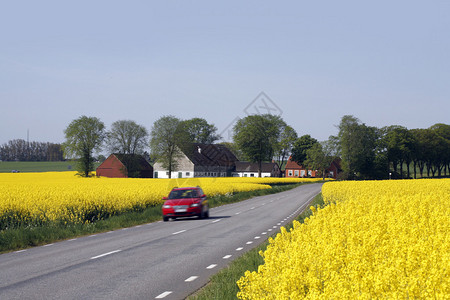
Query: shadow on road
x=197 y=218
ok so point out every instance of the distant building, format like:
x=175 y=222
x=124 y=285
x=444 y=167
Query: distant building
x=201 y=160
x=247 y=169
x=294 y=170
x=124 y=166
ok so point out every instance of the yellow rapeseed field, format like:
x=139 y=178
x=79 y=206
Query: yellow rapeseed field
x=374 y=240
x=39 y=198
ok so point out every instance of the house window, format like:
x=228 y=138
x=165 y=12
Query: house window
x=302 y=173
x=296 y=173
x=290 y=173
x=167 y=173
x=245 y=175
x=252 y=175
x=188 y=173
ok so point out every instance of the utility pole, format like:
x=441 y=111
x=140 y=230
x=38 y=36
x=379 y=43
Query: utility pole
x=28 y=144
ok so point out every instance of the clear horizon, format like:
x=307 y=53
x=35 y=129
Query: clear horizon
x=385 y=63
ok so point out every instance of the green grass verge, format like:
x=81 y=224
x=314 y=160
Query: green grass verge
x=29 y=236
x=223 y=284
x=38 y=166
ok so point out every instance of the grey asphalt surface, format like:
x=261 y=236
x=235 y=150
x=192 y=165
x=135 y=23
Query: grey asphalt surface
x=162 y=260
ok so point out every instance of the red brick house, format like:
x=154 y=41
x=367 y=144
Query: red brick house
x=115 y=166
x=294 y=170
x=334 y=169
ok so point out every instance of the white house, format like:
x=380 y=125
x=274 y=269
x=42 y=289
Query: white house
x=204 y=160
x=247 y=169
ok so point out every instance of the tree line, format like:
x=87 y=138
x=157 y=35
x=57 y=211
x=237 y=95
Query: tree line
x=21 y=150
x=168 y=137
x=365 y=152
x=392 y=151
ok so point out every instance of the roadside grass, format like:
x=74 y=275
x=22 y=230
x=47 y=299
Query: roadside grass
x=30 y=236
x=223 y=284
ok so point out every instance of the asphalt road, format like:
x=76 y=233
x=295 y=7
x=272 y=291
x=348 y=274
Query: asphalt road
x=162 y=260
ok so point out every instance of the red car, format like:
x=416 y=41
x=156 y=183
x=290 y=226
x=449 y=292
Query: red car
x=185 y=202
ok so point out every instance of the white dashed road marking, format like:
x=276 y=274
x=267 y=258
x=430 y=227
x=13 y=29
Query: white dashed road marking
x=105 y=254
x=211 y=266
x=178 y=232
x=192 y=278
x=226 y=256
x=163 y=295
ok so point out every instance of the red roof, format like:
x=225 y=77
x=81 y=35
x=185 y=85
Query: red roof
x=293 y=165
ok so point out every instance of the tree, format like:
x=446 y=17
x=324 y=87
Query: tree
x=255 y=136
x=21 y=150
x=196 y=130
x=357 y=144
x=319 y=157
x=286 y=141
x=164 y=138
x=127 y=137
x=399 y=142
x=199 y=131
x=443 y=131
x=84 y=136
x=421 y=149
x=301 y=146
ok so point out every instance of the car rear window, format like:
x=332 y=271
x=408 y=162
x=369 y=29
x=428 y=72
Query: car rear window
x=180 y=194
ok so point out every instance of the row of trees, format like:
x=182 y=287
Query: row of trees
x=257 y=138
x=375 y=153
x=21 y=150
x=366 y=152
x=169 y=136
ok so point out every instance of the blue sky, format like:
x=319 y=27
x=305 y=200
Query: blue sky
x=385 y=62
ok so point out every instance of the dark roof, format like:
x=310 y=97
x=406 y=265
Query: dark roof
x=211 y=155
x=142 y=163
x=243 y=166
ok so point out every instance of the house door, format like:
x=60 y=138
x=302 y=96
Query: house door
x=180 y=174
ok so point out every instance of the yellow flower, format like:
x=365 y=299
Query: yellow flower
x=374 y=239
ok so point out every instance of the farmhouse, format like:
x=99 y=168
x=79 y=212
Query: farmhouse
x=201 y=160
x=124 y=166
x=294 y=170
x=247 y=169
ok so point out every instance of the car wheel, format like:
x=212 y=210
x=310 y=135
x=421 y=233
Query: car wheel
x=206 y=214
x=165 y=219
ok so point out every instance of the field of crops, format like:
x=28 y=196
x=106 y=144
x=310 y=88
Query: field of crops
x=61 y=197
x=374 y=240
